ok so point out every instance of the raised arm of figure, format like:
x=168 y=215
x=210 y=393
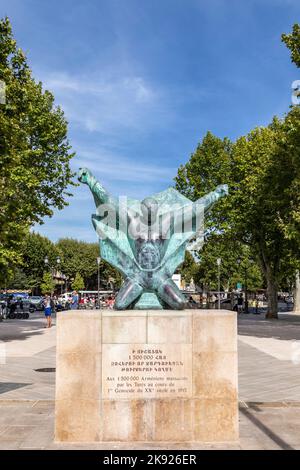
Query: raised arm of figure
x=101 y=196
x=211 y=198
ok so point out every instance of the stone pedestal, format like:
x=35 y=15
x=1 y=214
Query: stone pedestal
x=146 y=376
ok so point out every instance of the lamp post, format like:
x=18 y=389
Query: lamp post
x=58 y=265
x=58 y=261
x=98 y=263
x=219 y=283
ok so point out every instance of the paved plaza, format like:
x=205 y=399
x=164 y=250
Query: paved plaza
x=269 y=386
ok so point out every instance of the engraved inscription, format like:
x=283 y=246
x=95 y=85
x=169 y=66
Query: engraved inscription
x=146 y=370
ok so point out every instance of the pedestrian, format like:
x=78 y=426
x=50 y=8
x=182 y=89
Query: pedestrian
x=110 y=301
x=53 y=304
x=74 y=304
x=47 y=310
x=256 y=306
x=240 y=303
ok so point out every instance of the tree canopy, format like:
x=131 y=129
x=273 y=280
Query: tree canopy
x=261 y=215
x=81 y=257
x=78 y=283
x=48 y=284
x=292 y=41
x=78 y=262
x=34 y=151
x=263 y=207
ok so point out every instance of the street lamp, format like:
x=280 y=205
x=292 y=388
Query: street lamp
x=98 y=263
x=58 y=261
x=219 y=260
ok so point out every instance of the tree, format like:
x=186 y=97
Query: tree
x=19 y=281
x=34 y=152
x=292 y=41
x=209 y=166
x=36 y=249
x=260 y=170
x=236 y=263
x=78 y=283
x=47 y=285
x=77 y=258
x=81 y=257
x=188 y=269
x=263 y=173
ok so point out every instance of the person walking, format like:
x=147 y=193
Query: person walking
x=48 y=310
x=110 y=301
x=53 y=303
x=240 y=303
x=74 y=305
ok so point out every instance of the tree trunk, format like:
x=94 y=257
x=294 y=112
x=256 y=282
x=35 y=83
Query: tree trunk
x=272 y=290
x=296 y=308
x=269 y=270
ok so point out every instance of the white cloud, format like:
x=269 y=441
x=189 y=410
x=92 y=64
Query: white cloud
x=110 y=107
x=106 y=103
x=133 y=86
x=109 y=166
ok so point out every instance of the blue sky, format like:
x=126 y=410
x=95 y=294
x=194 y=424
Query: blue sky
x=141 y=82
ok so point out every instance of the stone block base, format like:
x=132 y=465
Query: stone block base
x=146 y=376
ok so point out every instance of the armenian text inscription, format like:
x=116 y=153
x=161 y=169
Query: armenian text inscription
x=146 y=370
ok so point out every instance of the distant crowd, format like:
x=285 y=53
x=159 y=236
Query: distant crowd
x=19 y=306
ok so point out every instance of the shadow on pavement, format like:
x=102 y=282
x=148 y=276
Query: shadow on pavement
x=267 y=431
x=287 y=327
x=12 y=330
x=9 y=386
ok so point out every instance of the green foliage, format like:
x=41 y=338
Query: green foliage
x=19 y=281
x=286 y=171
x=47 y=285
x=292 y=41
x=34 y=152
x=78 y=283
x=81 y=257
x=189 y=268
x=78 y=258
x=236 y=265
x=209 y=166
x=262 y=211
x=36 y=249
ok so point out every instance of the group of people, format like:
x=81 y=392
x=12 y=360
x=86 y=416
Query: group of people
x=92 y=302
x=89 y=301
x=51 y=304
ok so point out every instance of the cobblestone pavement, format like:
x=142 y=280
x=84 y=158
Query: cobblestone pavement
x=269 y=386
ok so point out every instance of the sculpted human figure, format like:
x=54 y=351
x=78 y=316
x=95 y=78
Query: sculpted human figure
x=146 y=241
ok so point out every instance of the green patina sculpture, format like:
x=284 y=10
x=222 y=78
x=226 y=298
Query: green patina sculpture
x=146 y=241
